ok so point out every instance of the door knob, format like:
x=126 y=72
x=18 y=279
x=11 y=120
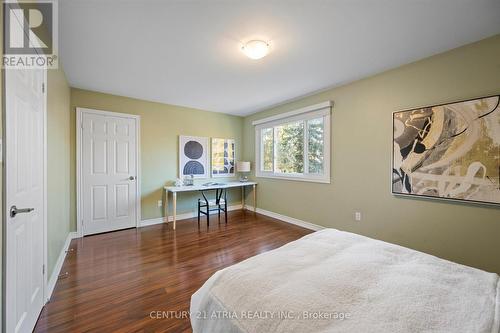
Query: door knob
x=14 y=210
x=131 y=178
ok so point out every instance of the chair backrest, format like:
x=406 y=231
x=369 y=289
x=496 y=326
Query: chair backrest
x=219 y=192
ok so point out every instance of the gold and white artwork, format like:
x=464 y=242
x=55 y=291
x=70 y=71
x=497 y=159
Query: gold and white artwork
x=449 y=151
x=223 y=152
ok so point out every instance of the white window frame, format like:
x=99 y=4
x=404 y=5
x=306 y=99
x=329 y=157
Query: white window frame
x=304 y=114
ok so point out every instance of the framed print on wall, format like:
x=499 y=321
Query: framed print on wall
x=193 y=156
x=223 y=152
x=448 y=151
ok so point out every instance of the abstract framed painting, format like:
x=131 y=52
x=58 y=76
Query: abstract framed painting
x=223 y=152
x=448 y=151
x=193 y=156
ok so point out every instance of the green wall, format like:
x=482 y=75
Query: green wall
x=1 y=171
x=58 y=164
x=361 y=160
x=161 y=124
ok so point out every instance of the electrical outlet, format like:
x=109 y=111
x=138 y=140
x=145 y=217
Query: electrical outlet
x=160 y=203
x=357 y=216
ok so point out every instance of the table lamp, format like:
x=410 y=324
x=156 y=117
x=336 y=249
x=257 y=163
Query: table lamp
x=243 y=167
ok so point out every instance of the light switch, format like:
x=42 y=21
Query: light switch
x=357 y=216
x=160 y=203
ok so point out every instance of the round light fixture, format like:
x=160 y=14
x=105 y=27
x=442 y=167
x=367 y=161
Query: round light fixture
x=255 y=49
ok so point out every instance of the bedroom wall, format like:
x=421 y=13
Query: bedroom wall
x=1 y=172
x=361 y=160
x=58 y=164
x=161 y=124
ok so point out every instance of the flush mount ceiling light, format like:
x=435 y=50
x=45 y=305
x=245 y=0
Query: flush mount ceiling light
x=255 y=49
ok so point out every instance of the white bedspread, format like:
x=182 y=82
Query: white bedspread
x=333 y=281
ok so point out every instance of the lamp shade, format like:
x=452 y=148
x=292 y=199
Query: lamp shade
x=243 y=166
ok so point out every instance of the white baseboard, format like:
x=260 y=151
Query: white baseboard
x=287 y=219
x=60 y=260
x=148 y=222
x=184 y=216
x=284 y=218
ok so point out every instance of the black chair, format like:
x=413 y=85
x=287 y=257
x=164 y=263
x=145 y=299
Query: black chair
x=219 y=204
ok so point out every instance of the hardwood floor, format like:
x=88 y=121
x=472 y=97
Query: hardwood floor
x=116 y=280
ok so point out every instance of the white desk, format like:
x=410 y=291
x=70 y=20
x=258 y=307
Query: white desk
x=177 y=189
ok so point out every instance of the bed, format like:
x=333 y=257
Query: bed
x=334 y=281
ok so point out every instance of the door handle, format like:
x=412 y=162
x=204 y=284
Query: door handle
x=14 y=210
x=131 y=178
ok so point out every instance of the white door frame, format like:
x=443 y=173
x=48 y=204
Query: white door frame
x=5 y=216
x=45 y=194
x=79 y=150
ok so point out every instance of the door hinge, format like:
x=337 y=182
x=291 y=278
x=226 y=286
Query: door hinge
x=43 y=269
x=43 y=87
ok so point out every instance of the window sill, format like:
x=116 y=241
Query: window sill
x=323 y=180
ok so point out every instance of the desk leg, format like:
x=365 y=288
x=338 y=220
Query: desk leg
x=165 y=219
x=243 y=197
x=174 y=206
x=254 y=199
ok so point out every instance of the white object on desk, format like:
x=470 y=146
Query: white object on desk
x=176 y=189
x=243 y=167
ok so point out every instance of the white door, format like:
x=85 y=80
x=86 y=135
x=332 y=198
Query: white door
x=25 y=191
x=108 y=172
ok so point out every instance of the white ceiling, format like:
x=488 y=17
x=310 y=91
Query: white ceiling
x=187 y=52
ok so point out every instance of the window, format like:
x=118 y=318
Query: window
x=295 y=145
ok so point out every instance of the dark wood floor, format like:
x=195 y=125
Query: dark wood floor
x=116 y=280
